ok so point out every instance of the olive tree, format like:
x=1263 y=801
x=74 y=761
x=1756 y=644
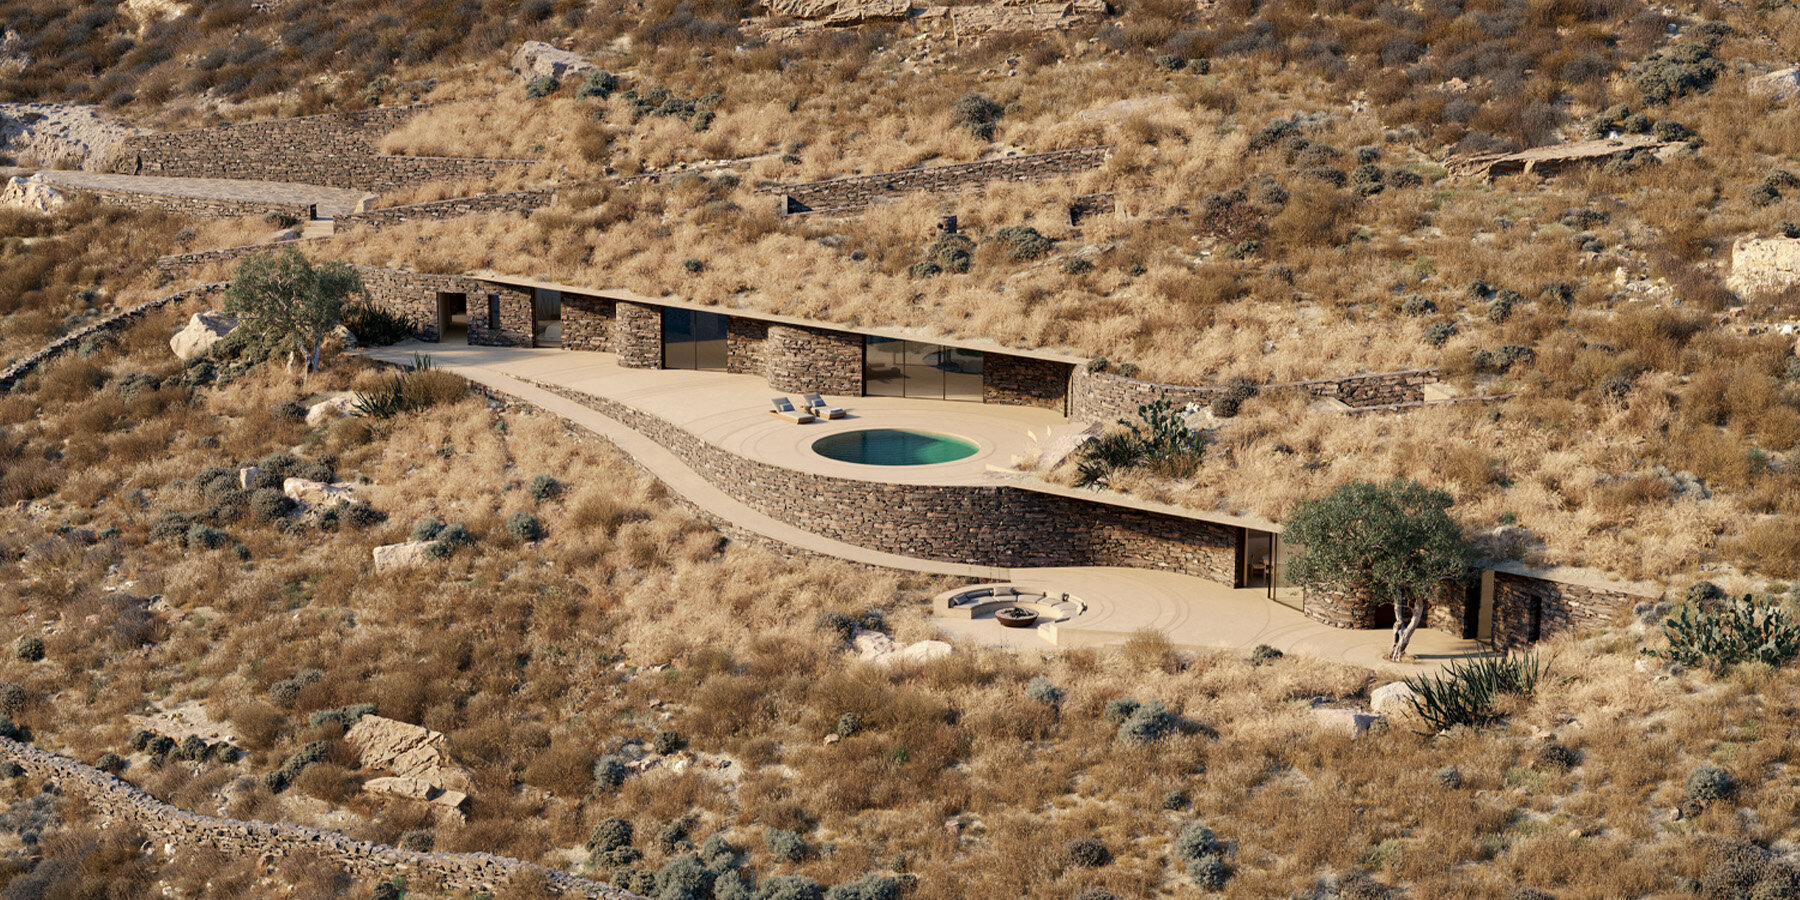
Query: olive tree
x=285 y=301
x=1379 y=543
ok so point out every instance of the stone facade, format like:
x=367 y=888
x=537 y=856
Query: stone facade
x=14 y=373
x=414 y=295
x=1527 y=610
x=587 y=322
x=1021 y=381
x=336 y=149
x=119 y=803
x=1103 y=397
x=524 y=202
x=978 y=525
x=799 y=359
x=637 y=335
x=744 y=343
x=860 y=191
x=194 y=206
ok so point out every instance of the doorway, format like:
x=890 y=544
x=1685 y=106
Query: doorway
x=546 y=318
x=1256 y=559
x=1478 y=610
x=453 y=318
x=1281 y=589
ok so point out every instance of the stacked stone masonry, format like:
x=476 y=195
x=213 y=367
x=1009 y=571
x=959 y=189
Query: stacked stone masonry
x=208 y=207
x=977 y=525
x=637 y=335
x=336 y=149
x=860 y=191
x=522 y=202
x=587 y=322
x=118 y=802
x=1103 y=397
x=1019 y=381
x=813 y=359
x=14 y=373
x=226 y=254
x=415 y=296
x=1527 y=610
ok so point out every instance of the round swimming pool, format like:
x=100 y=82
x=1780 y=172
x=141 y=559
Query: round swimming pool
x=892 y=447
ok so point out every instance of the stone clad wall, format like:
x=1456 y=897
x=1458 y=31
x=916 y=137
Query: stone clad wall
x=414 y=295
x=118 y=802
x=14 y=373
x=1528 y=609
x=335 y=149
x=813 y=359
x=978 y=525
x=745 y=340
x=194 y=206
x=587 y=322
x=480 y=204
x=518 y=313
x=637 y=336
x=1021 y=381
x=1103 y=396
x=859 y=191
x=225 y=254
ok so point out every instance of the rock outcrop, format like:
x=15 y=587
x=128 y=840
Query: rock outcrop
x=407 y=750
x=1780 y=86
x=536 y=59
x=314 y=496
x=32 y=194
x=402 y=555
x=203 y=330
x=336 y=406
x=883 y=650
x=1391 y=699
x=841 y=12
x=1764 y=264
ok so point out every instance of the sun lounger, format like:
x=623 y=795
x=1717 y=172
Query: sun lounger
x=784 y=409
x=817 y=404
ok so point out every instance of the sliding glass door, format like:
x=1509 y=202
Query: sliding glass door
x=694 y=340
x=900 y=368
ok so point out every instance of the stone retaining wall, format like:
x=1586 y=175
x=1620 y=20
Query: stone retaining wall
x=524 y=202
x=587 y=322
x=415 y=296
x=997 y=525
x=798 y=360
x=637 y=335
x=1021 y=381
x=194 y=206
x=13 y=374
x=1528 y=609
x=1103 y=396
x=335 y=149
x=860 y=191
x=118 y=802
x=226 y=254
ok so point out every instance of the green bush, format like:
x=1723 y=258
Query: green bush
x=1076 y=265
x=1263 y=653
x=1438 y=332
x=29 y=648
x=426 y=530
x=1086 y=853
x=1097 y=365
x=1674 y=72
x=732 y=886
x=1148 y=723
x=1707 y=783
x=667 y=742
x=693 y=266
x=609 y=772
x=205 y=537
x=925 y=269
x=784 y=845
x=847 y=725
x=1209 y=872
x=674 y=835
x=951 y=252
x=543 y=487
x=1169 y=62
x=789 y=887
x=1415 y=305
x=869 y=887
x=419 y=388
x=976 y=114
x=1466 y=692
x=719 y=854
x=542 y=86
x=684 y=875
x=376 y=326
x=1448 y=776
x=1228 y=402
x=1194 y=842
x=524 y=527
x=610 y=834
x=1747 y=630
x=1118 y=710
x=1160 y=441
x=1022 y=242
x=12 y=698
x=111 y=763
x=1043 y=690
x=598 y=83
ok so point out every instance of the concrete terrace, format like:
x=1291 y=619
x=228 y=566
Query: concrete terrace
x=330 y=201
x=729 y=411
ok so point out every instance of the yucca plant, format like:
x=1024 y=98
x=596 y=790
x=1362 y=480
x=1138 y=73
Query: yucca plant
x=1748 y=629
x=419 y=388
x=1465 y=694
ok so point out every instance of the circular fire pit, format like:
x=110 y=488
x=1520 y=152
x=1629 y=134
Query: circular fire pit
x=1016 y=617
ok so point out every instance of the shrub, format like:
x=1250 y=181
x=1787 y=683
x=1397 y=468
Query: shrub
x=1264 y=653
x=693 y=266
x=976 y=114
x=160 y=746
x=847 y=725
x=784 y=845
x=609 y=772
x=1501 y=307
x=1097 y=364
x=926 y=269
x=542 y=86
x=10 y=769
x=376 y=326
x=1438 y=332
x=420 y=387
x=950 y=252
x=684 y=875
x=732 y=886
x=1022 y=242
x=1558 y=757
x=1707 y=783
x=1044 y=691
x=789 y=887
x=1128 y=370
x=1076 y=265
x=344 y=716
x=205 y=537
x=1194 y=842
x=1169 y=62
x=543 y=487
x=12 y=698
x=1148 y=723
x=524 y=527
x=598 y=83
x=1749 y=629
x=667 y=742
x=1703 y=593
x=1096 y=893
x=1674 y=72
x=1087 y=853
x=286 y=692
x=1415 y=305
x=718 y=853
x=610 y=834
x=1117 y=711
x=1448 y=776
x=1228 y=402
x=426 y=530
x=1788 y=229
x=869 y=887
x=1466 y=692
x=1366 y=179
x=1208 y=872
x=270 y=505
x=1161 y=441
x=674 y=835
x=111 y=763
x=29 y=649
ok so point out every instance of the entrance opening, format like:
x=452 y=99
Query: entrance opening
x=900 y=368
x=546 y=318
x=694 y=340
x=1281 y=590
x=1256 y=559
x=1478 y=609
x=453 y=318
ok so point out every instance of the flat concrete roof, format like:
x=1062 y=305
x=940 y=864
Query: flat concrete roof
x=985 y=345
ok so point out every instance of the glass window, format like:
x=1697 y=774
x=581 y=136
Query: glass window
x=883 y=373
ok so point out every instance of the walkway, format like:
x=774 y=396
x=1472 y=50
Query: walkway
x=330 y=201
x=727 y=411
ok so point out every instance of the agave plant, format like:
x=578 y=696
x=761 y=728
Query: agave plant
x=1466 y=693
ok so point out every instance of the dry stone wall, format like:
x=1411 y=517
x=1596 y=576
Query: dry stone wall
x=1021 y=381
x=637 y=335
x=799 y=359
x=1103 y=396
x=587 y=322
x=336 y=149
x=524 y=202
x=194 y=206
x=977 y=525
x=860 y=191
x=118 y=802
x=1527 y=610
x=226 y=254
x=14 y=373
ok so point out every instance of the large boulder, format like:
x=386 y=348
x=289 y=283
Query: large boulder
x=1391 y=699
x=417 y=789
x=841 y=12
x=314 y=496
x=336 y=406
x=536 y=59
x=402 y=555
x=1350 y=721
x=1779 y=86
x=31 y=193
x=203 y=330
x=1764 y=264
x=407 y=750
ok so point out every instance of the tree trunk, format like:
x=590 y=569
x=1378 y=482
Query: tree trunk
x=1404 y=626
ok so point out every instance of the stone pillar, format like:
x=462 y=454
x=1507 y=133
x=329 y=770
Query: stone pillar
x=637 y=335
x=814 y=359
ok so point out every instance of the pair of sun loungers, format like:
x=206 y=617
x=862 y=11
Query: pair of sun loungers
x=815 y=408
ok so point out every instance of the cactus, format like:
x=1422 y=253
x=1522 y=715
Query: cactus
x=1748 y=629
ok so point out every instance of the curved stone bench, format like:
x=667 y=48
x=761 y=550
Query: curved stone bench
x=976 y=601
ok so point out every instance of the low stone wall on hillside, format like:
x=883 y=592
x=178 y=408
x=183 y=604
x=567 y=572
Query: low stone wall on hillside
x=224 y=254
x=859 y=191
x=1528 y=610
x=524 y=202
x=1103 y=396
x=988 y=525
x=334 y=149
x=16 y=372
x=118 y=802
x=194 y=206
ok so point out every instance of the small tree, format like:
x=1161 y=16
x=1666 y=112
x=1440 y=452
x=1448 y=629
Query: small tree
x=1372 y=542
x=285 y=301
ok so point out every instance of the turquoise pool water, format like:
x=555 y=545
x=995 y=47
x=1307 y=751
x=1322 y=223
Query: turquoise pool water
x=892 y=447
